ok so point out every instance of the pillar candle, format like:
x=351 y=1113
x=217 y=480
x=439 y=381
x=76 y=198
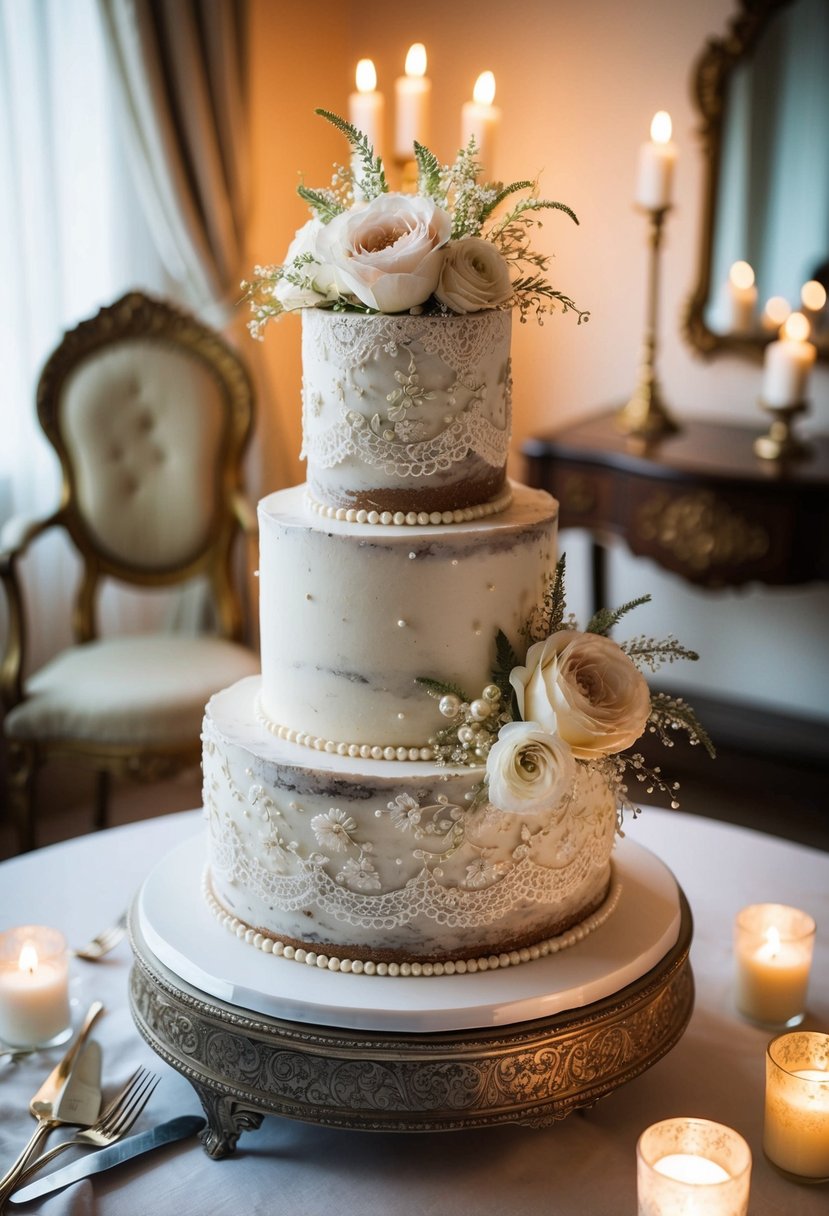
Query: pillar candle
x=366 y=106
x=481 y=119
x=773 y=956
x=657 y=160
x=412 y=95
x=796 y=1123
x=741 y=299
x=692 y=1167
x=787 y=364
x=34 y=987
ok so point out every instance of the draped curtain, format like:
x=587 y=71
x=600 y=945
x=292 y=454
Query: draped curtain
x=180 y=75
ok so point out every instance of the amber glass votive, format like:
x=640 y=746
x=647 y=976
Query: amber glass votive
x=773 y=947
x=796 y=1127
x=34 y=987
x=692 y=1167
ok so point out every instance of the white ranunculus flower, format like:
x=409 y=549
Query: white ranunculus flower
x=388 y=253
x=318 y=279
x=585 y=687
x=474 y=276
x=528 y=769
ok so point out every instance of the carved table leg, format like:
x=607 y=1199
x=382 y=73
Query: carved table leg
x=226 y=1120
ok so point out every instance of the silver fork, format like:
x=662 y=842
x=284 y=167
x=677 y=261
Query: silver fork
x=113 y=1123
x=103 y=942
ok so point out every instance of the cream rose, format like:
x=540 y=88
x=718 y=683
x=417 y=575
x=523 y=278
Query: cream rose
x=474 y=276
x=316 y=285
x=583 y=686
x=388 y=253
x=528 y=769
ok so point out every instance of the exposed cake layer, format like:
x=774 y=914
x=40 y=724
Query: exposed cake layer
x=373 y=860
x=406 y=413
x=351 y=614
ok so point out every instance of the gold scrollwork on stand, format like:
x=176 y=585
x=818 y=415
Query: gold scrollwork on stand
x=701 y=531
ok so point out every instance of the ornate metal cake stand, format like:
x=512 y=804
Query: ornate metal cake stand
x=245 y=1065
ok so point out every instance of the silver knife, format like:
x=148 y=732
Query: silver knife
x=115 y=1154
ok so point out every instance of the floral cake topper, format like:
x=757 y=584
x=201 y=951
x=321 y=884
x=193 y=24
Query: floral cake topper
x=578 y=698
x=456 y=246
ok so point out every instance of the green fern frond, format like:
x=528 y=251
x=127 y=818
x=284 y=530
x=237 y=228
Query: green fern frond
x=370 y=178
x=505 y=660
x=603 y=621
x=440 y=688
x=322 y=202
x=503 y=193
x=429 y=172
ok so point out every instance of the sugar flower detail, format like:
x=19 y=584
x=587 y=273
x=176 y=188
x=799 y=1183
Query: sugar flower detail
x=578 y=698
x=474 y=276
x=529 y=769
x=455 y=246
x=584 y=687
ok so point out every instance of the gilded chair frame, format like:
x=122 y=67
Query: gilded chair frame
x=134 y=316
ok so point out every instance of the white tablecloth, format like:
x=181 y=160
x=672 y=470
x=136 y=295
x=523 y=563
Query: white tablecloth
x=583 y=1165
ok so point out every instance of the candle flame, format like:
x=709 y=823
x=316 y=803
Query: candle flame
x=416 y=60
x=365 y=76
x=777 y=310
x=796 y=327
x=661 y=127
x=741 y=275
x=28 y=960
x=771 y=942
x=484 y=91
x=813 y=295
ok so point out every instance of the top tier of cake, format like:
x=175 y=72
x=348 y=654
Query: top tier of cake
x=406 y=413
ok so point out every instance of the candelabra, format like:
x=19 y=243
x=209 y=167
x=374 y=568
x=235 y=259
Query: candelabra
x=780 y=442
x=646 y=414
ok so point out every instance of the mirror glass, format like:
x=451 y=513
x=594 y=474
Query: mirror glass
x=764 y=95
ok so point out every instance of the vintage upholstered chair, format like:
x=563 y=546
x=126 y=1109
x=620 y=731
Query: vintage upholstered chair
x=149 y=412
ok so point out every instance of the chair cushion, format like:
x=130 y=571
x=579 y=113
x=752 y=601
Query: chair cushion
x=146 y=689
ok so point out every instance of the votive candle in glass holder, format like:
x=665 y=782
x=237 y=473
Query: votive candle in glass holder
x=692 y=1167
x=773 y=947
x=34 y=987
x=796 y=1126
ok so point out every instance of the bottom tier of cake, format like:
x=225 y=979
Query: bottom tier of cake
x=389 y=861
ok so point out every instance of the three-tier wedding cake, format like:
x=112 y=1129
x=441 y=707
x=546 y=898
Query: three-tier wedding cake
x=427 y=777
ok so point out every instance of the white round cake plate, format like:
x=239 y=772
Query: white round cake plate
x=186 y=937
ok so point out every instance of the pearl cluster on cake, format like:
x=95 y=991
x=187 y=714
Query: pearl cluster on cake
x=488 y=962
x=366 y=751
x=421 y=519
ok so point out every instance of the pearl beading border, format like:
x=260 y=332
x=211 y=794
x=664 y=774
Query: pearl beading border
x=364 y=751
x=489 y=962
x=421 y=519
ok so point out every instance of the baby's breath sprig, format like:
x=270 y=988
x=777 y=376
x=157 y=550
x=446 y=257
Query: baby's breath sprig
x=671 y=714
x=651 y=653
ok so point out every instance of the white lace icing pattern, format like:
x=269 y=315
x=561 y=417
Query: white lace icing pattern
x=489 y=962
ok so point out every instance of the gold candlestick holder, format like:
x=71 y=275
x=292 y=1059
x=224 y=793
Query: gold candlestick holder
x=406 y=174
x=646 y=414
x=780 y=442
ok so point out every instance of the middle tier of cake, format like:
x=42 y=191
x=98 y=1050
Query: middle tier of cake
x=353 y=614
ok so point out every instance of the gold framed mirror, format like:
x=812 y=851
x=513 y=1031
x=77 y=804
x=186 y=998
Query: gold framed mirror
x=762 y=91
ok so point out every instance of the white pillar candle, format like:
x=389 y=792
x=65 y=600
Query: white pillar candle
x=692 y=1167
x=657 y=161
x=367 y=106
x=480 y=119
x=412 y=94
x=787 y=364
x=796 y=1124
x=34 y=987
x=773 y=947
x=775 y=313
x=741 y=296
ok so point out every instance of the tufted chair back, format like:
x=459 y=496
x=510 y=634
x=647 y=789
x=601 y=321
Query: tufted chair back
x=149 y=412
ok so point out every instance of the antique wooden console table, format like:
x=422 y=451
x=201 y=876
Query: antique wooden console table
x=697 y=502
